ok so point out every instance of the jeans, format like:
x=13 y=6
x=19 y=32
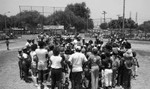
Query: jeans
x=94 y=77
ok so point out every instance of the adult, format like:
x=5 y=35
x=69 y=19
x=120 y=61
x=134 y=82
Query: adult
x=95 y=61
x=77 y=59
x=107 y=72
x=56 y=68
x=115 y=65
x=42 y=55
x=34 y=61
x=24 y=64
x=128 y=65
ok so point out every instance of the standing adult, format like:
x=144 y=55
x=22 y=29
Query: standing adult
x=95 y=61
x=56 y=68
x=34 y=61
x=115 y=66
x=42 y=55
x=25 y=64
x=107 y=72
x=128 y=64
x=77 y=59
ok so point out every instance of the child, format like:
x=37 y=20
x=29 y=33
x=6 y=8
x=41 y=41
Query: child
x=7 y=43
x=136 y=64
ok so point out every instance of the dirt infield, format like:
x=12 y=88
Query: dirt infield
x=9 y=71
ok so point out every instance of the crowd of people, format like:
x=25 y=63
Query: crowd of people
x=77 y=63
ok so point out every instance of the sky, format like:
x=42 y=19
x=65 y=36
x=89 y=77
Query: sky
x=112 y=7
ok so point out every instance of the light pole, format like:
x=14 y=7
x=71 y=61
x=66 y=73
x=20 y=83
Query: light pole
x=5 y=19
x=123 y=16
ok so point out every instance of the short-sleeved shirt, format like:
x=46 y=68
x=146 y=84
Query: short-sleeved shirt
x=77 y=59
x=56 y=62
x=94 y=60
x=115 y=62
x=107 y=63
x=42 y=60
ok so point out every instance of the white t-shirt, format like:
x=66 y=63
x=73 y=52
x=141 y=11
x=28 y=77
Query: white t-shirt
x=56 y=61
x=25 y=55
x=42 y=60
x=77 y=60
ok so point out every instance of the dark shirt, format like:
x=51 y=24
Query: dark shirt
x=107 y=63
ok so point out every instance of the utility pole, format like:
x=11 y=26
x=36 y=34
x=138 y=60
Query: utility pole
x=130 y=14
x=136 y=18
x=43 y=18
x=6 y=19
x=104 y=12
x=123 y=16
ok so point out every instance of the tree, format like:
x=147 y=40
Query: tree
x=66 y=18
x=79 y=9
x=114 y=24
x=13 y=21
x=90 y=24
x=82 y=15
x=29 y=18
x=131 y=24
x=76 y=15
x=104 y=26
x=145 y=27
x=117 y=24
x=2 y=22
